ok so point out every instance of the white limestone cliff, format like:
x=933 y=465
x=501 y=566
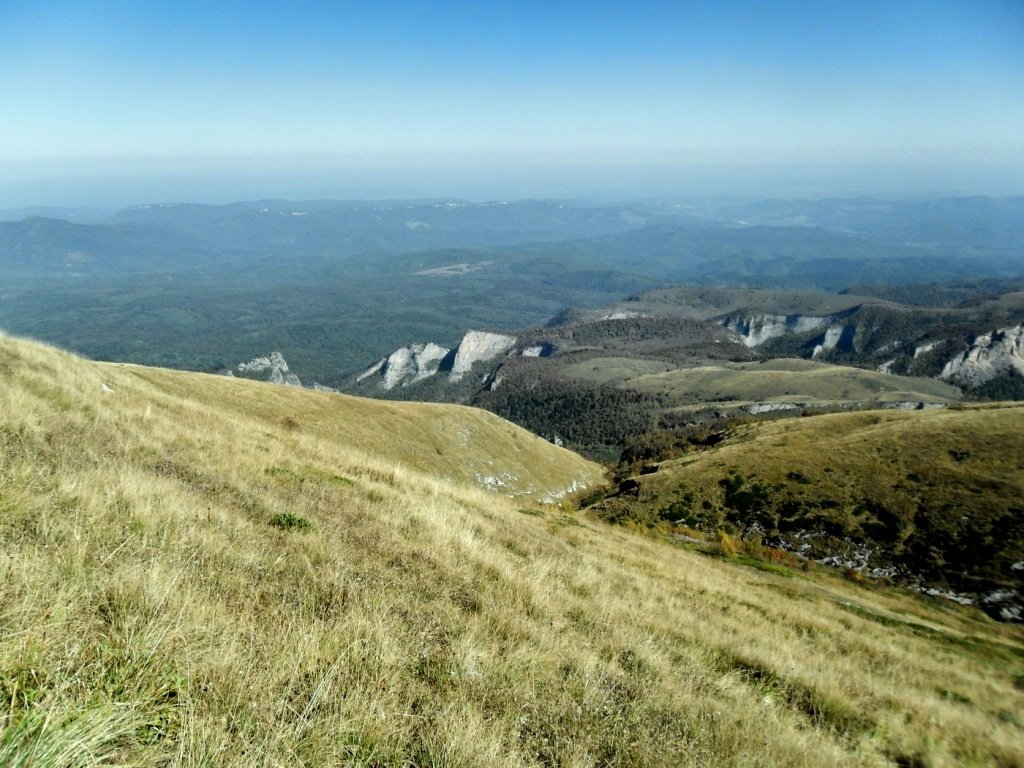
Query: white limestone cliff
x=407 y=365
x=477 y=346
x=275 y=366
x=990 y=355
x=757 y=329
x=416 y=362
x=830 y=340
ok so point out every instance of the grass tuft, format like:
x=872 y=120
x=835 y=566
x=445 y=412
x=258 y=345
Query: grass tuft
x=289 y=521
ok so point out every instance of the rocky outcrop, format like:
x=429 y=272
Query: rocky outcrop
x=836 y=337
x=756 y=409
x=477 y=346
x=911 y=405
x=410 y=364
x=925 y=349
x=272 y=367
x=416 y=362
x=757 y=329
x=991 y=355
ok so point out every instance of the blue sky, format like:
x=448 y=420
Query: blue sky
x=244 y=99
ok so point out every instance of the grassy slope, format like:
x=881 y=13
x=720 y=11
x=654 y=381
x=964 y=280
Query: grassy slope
x=938 y=490
x=786 y=379
x=450 y=442
x=150 y=613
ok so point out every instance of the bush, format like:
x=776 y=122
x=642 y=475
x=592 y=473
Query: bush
x=727 y=545
x=753 y=547
x=288 y=521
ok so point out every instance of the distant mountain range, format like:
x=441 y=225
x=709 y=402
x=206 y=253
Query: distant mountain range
x=335 y=284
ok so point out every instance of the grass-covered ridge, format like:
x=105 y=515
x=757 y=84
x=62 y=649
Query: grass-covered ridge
x=781 y=380
x=190 y=580
x=934 y=494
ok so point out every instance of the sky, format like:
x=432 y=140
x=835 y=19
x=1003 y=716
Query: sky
x=110 y=103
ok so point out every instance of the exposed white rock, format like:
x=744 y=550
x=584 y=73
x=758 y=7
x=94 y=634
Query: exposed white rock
x=832 y=337
x=924 y=348
x=477 y=346
x=533 y=351
x=408 y=364
x=889 y=347
x=989 y=356
x=1007 y=603
x=419 y=361
x=912 y=405
x=757 y=408
x=886 y=367
x=757 y=329
x=948 y=594
x=555 y=496
x=375 y=368
x=275 y=366
x=497 y=482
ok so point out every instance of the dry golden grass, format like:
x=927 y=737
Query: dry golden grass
x=151 y=615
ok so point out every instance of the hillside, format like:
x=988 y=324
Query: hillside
x=929 y=497
x=204 y=571
x=780 y=380
x=601 y=378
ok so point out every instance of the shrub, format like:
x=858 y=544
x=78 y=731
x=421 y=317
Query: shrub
x=726 y=544
x=753 y=547
x=288 y=521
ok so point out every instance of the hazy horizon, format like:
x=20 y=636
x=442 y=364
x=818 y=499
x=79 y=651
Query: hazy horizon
x=119 y=104
x=119 y=183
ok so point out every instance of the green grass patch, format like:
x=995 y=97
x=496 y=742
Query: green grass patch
x=288 y=521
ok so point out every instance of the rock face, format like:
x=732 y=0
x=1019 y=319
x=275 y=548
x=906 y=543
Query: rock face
x=828 y=341
x=990 y=355
x=273 y=366
x=477 y=346
x=408 y=364
x=757 y=329
x=416 y=362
